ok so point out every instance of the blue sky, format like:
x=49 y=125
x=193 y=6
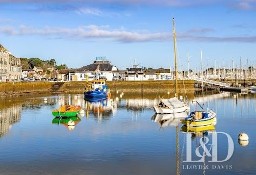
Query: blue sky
x=74 y=32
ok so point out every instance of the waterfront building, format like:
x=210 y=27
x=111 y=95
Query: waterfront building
x=163 y=74
x=80 y=75
x=10 y=66
x=142 y=74
x=135 y=74
x=99 y=69
x=25 y=74
x=31 y=74
x=62 y=75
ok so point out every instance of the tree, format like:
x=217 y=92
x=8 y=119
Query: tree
x=52 y=62
x=62 y=66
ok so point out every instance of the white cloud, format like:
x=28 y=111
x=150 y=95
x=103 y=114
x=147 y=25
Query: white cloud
x=83 y=32
x=89 y=11
x=62 y=5
x=121 y=35
x=246 y=4
x=124 y=2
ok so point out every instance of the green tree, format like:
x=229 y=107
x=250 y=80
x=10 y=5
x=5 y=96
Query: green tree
x=62 y=66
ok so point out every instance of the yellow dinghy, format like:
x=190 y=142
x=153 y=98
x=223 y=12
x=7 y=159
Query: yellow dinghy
x=200 y=118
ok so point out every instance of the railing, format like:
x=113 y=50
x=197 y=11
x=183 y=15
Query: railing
x=212 y=82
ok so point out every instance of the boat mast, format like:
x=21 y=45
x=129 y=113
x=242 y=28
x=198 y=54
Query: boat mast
x=175 y=57
x=176 y=91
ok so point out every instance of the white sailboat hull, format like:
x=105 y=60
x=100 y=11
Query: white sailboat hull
x=171 y=106
x=160 y=110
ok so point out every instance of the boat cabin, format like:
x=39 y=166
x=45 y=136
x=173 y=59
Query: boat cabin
x=96 y=85
x=197 y=115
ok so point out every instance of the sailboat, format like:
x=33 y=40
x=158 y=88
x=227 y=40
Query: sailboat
x=172 y=105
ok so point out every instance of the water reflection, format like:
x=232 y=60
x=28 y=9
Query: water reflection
x=198 y=131
x=69 y=122
x=165 y=120
x=119 y=146
x=8 y=117
x=199 y=143
x=102 y=108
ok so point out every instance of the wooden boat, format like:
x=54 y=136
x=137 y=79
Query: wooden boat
x=67 y=110
x=97 y=89
x=171 y=106
x=200 y=118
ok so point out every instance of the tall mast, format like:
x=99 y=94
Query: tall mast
x=188 y=65
x=175 y=57
x=176 y=91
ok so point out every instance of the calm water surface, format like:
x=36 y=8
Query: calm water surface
x=121 y=136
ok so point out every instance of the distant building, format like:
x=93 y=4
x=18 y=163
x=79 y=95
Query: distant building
x=99 y=69
x=10 y=66
x=142 y=74
x=27 y=74
x=62 y=75
x=135 y=74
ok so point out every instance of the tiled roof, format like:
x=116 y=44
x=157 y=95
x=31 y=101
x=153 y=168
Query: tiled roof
x=63 y=71
x=93 y=67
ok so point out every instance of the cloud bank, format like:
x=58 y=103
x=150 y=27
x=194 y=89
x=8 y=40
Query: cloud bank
x=245 y=4
x=86 y=32
x=121 y=35
x=239 y=4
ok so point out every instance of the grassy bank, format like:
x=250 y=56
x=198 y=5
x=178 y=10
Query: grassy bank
x=153 y=88
x=150 y=89
x=16 y=88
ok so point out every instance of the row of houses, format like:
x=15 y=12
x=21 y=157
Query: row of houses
x=10 y=70
x=102 y=68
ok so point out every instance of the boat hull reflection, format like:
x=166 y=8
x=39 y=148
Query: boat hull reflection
x=165 y=120
x=100 y=107
x=69 y=122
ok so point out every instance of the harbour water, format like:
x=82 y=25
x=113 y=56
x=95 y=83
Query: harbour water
x=121 y=136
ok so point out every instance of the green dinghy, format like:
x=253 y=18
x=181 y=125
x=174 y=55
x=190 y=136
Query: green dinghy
x=66 y=110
